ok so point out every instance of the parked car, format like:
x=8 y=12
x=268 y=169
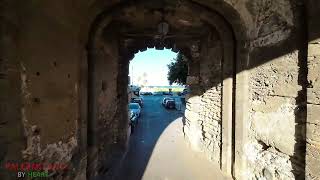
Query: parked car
x=137 y=100
x=135 y=108
x=170 y=104
x=167 y=93
x=146 y=93
x=164 y=101
x=133 y=120
x=185 y=91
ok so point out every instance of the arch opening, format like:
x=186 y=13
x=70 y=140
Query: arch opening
x=206 y=40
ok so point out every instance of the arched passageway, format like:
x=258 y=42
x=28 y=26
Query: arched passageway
x=254 y=101
x=208 y=42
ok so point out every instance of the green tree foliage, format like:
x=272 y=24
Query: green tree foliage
x=178 y=70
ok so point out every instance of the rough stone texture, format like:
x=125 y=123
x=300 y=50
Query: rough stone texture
x=204 y=112
x=313 y=116
x=44 y=49
x=210 y=121
x=313 y=161
x=273 y=117
x=12 y=139
x=277 y=113
x=269 y=163
x=313 y=95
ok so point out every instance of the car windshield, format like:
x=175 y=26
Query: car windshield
x=133 y=106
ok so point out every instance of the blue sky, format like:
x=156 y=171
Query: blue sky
x=153 y=63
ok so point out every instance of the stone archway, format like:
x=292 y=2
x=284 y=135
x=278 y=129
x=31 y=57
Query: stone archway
x=197 y=48
x=43 y=97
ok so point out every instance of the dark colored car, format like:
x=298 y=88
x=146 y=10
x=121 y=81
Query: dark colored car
x=146 y=93
x=164 y=101
x=165 y=93
x=170 y=104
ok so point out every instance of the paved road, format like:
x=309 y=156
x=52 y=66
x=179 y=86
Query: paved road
x=158 y=152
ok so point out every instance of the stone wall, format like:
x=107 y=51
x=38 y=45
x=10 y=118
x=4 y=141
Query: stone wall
x=11 y=130
x=208 y=108
x=43 y=50
x=108 y=101
x=274 y=146
x=313 y=95
x=277 y=96
x=43 y=86
x=276 y=120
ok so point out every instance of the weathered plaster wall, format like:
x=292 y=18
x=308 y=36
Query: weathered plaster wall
x=49 y=68
x=108 y=118
x=11 y=130
x=48 y=47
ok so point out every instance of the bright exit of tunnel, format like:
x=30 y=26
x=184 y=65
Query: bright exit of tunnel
x=150 y=68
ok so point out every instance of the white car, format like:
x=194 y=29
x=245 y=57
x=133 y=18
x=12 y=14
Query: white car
x=135 y=108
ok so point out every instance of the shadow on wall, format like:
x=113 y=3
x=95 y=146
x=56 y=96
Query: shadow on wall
x=279 y=42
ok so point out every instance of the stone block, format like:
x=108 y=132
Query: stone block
x=192 y=116
x=194 y=100
x=313 y=150
x=312 y=163
x=313 y=115
x=277 y=128
x=313 y=132
x=313 y=96
x=314 y=50
x=313 y=72
x=313 y=60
